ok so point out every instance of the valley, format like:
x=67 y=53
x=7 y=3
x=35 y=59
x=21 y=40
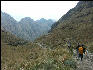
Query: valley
x=43 y=44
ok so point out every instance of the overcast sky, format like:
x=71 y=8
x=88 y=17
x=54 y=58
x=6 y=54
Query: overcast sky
x=37 y=9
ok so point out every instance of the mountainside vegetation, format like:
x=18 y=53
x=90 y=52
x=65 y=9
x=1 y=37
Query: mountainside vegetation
x=75 y=26
x=30 y=56
x=11 y=39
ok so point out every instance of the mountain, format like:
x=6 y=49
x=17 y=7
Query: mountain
x=43 y=21
x=8 y=22
x=26 y=28
x=82 y=9
x=75 y=26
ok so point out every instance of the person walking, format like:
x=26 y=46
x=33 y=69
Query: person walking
x=80 y=50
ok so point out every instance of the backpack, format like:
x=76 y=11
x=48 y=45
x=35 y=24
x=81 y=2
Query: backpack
x=81 y=50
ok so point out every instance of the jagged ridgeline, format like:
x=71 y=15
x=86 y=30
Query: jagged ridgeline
x=76 y=25
x=26 y=28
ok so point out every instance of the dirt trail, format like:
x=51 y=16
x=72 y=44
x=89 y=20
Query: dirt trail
x=86 y=63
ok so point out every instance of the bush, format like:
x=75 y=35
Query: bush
x=70 y=63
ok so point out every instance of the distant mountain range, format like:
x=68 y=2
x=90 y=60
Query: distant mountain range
x=26 y=28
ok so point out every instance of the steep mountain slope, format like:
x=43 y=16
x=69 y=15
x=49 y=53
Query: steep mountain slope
x=8 y=22
x=82 y=9
x=26 y=28
x=76 y=26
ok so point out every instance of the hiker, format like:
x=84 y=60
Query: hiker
x=70 y=47
x=77 y=50
x=69 y=44
x=80 y=50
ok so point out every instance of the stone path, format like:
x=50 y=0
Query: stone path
x=86 y=63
